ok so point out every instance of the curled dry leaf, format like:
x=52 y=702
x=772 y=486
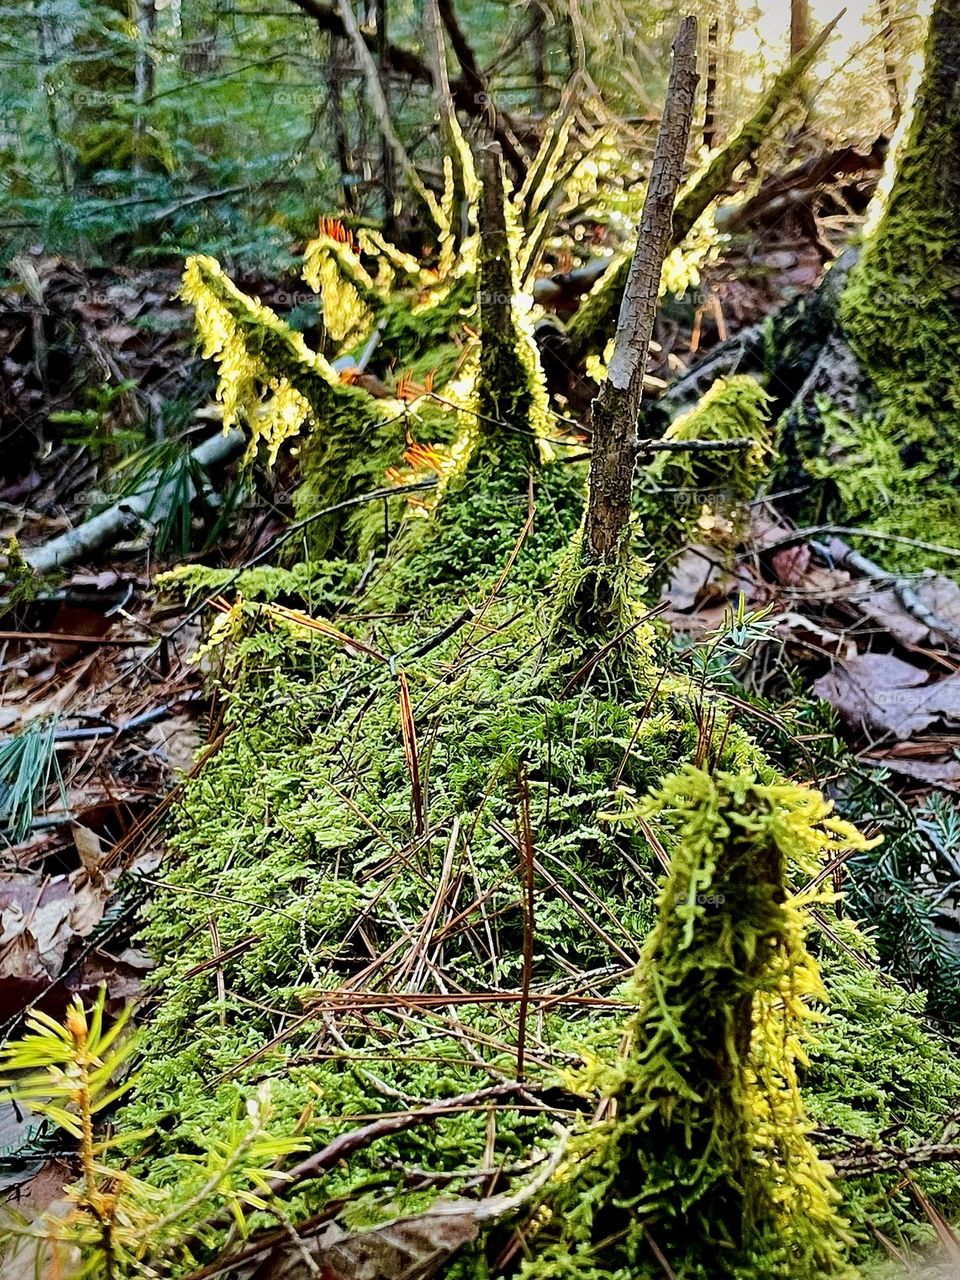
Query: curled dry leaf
x=882 y=695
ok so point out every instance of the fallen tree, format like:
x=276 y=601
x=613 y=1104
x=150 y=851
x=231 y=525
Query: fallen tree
x=450 y=870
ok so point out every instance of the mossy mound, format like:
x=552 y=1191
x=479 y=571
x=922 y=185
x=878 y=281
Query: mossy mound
x=370 y=928
x=683 y=497
x=706 y=1159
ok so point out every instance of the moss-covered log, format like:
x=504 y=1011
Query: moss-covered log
x=900 y=315
x=277 y=385
x=705 y=1160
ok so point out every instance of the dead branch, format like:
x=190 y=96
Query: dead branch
x=378 y=99
x=476 y=86
x=151 y=502
x=869 y=1160
x=616 y=408
x=343 y=1146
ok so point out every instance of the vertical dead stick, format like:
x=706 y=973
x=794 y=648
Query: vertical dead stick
x=616 y=407
x=378 y=103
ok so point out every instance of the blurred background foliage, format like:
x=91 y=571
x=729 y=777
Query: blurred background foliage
x=138 y=130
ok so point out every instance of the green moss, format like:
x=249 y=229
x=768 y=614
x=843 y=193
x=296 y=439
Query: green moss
x=269 y=378
x=319 y=860
x=322 y=586
x=20 y=583
x=597 y=619
x=707 y=1154
x=876 y=1071
x=299 y=839
x=683 y=494
x=900 y=315
x=861 y=457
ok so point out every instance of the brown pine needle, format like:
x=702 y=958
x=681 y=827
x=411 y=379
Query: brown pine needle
x=409 y=730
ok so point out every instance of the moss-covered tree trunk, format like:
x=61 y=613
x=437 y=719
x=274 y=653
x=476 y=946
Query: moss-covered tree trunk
x=865 y=372
x=901 y=310
x=885 y=393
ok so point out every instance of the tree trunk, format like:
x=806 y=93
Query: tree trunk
x=617 y=406
x=878 y=402
x=799 y=26
x=901 y=310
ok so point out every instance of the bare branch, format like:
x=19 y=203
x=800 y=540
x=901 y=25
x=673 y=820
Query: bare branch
x=405 y=62
x=378 y=101
x=616 y=407
x=476 y=86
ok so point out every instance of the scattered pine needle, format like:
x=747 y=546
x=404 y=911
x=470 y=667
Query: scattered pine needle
x=409 y=731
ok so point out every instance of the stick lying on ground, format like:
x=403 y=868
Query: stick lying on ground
x=125 y=517
x=153 y=500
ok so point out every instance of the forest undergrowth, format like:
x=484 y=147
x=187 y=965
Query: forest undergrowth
x=466 y=843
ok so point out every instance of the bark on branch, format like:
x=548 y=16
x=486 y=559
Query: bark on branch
x=616 y=408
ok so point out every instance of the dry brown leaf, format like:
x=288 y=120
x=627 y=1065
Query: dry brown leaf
x=88 y=847
x=944 y=774
x=880 y=694
x=698 y=578
x=412 y=1248
x=40 y=919
x=882 y=607
x=790 y=565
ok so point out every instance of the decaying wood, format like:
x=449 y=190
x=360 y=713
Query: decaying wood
x=496 y=281
x=617 y=406
x=943 y=630
x=151 y=502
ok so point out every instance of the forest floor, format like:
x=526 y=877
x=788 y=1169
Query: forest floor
x=99 y=674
